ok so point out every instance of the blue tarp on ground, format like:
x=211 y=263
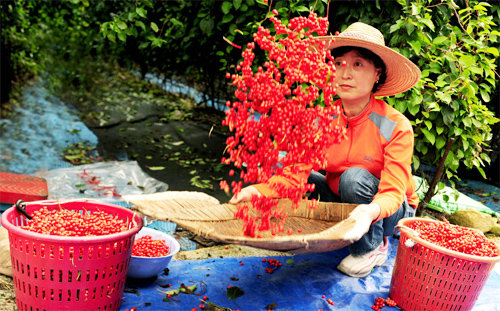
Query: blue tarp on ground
x=41 y=127
x=298 y=285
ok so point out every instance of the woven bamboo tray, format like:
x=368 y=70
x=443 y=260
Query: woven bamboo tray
x=322 y=229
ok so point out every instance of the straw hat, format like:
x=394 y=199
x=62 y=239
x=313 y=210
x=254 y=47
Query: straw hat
x=401 y=73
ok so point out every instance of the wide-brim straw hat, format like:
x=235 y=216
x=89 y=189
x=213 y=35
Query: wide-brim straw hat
x=401 y=73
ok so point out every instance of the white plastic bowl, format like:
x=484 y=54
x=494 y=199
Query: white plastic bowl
x=147 y=267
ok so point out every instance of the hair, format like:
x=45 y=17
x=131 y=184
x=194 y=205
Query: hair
x=366 y=54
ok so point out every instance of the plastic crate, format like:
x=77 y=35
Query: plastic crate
x=430 y=277
x=70 y=273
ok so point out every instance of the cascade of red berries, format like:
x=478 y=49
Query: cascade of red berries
x=146 y=246
x=283 y=107
x=64 y=222
x=457 y=238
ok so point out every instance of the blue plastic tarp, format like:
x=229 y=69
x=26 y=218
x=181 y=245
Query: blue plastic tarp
x=296 y=285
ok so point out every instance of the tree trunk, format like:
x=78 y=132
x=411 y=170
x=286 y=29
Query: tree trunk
x=435 y=179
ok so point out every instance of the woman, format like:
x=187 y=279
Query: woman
x=372 y=165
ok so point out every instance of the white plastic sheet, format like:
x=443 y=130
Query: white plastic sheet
x=106 y=180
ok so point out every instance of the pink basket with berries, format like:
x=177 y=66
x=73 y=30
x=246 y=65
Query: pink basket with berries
x=440 y=266
x=72 y=255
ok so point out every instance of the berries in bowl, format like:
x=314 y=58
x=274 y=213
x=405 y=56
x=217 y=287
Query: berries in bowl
x=151 y=253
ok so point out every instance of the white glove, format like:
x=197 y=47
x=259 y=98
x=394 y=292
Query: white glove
x=363 y=215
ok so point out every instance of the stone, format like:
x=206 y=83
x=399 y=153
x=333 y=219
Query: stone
x=473 y=219
x=495 y=229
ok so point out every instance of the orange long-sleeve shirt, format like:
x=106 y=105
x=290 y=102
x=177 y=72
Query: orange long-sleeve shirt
x=379 y=140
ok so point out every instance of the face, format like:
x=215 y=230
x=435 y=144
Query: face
x=355 y=79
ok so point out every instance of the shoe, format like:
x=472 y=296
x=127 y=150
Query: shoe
x=361 y=265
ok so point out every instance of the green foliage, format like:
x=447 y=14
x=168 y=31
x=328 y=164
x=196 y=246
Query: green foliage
x=18 y=37
x=455 y=43
x=456 y=48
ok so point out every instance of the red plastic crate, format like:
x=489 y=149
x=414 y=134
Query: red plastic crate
x=14 y=187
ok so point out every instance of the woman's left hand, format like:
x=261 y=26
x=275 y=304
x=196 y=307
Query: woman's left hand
x=363 y=215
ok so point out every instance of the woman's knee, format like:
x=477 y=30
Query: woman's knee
x=357 y=185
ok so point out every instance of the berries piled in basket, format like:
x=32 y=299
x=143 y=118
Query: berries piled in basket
x=63 y=222
x=456 y=238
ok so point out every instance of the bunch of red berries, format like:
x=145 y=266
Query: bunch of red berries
x=146 y=246
x=70 y=223
x=456 y=238
x=273 y=264
x=381 y=302
x=283 y=116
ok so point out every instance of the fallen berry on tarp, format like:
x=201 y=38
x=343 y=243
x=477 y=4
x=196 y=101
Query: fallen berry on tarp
x=271 y=264
x=381 y=302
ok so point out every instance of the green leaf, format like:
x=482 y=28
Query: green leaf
x=485 y=96
x=428 y=22
x=492 y=50
x=206 y=25
x=141 y=12
x=416 y=162
x=156 y=168
x=290 y=261
x=440 y=142
x=143 y=45
x=448 y=116
x=122 y=25
x=154 y=27
x=466 y=60
x=409 y=28
x=439 y=40
x=237 y=4
x=227 y=18
x=394 y=28
x=476 y=70
x=413 y=109
x=226 y=7
x=141 y=25
x=122 y=36
x=416 y=45
x=176 y=22
x=234 y=292
x=430 y=136
x=111 y=36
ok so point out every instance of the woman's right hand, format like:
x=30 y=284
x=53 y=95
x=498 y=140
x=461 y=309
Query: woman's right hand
x=245 y=195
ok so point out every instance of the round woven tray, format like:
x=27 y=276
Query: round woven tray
x=321 y=229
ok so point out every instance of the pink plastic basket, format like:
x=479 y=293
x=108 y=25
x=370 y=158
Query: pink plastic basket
x=69 y=273
x=430 y=277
